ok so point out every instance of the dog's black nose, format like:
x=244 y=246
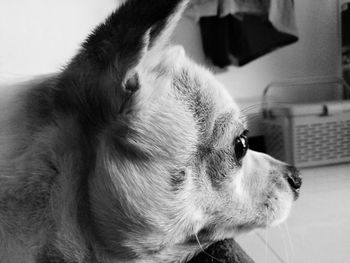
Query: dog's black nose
x=293 y=177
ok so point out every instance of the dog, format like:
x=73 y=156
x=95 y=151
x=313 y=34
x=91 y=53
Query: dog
x=132 y=153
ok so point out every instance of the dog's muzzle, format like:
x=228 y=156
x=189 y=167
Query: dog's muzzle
x=292 y=175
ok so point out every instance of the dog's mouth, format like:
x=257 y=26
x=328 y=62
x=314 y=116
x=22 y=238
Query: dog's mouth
x=296 y=193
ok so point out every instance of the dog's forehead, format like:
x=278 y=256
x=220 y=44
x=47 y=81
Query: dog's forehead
x=188 y=77
x=212 y=105
x=191 y=78
x=196 y=88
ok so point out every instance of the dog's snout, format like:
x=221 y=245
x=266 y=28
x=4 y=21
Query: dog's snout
x=293 y=178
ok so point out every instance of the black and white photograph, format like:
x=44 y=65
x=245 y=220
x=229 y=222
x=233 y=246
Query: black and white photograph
x=175 y=131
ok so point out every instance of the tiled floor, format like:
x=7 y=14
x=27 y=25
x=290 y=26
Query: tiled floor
x=318 y=229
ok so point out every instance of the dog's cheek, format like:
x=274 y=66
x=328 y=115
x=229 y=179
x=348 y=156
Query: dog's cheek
x=255 y=191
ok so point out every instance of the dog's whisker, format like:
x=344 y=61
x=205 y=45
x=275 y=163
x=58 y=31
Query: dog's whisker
x=252 y=107
x=266 y=236
x=249 y=117
x=252 y=119
x=264 y=104
x=264 y=239
x=205 y=252
x=251 y=114
x=289 y=238
x=285 y=247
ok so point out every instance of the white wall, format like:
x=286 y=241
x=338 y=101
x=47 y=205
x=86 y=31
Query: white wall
x=39 y=36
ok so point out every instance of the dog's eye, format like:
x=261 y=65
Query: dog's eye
x=241 y=146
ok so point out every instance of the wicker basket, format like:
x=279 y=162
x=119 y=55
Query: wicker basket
x=308 y=134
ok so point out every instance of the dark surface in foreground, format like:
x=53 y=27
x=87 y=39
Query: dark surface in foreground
x=226 y=251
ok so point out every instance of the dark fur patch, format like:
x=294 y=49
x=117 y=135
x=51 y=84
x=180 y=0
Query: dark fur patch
x=49 y=254
x=38 y=105
x=177 y=179
x=221 y=125
x=220 y=162
x=203 y=236
x=188 y=89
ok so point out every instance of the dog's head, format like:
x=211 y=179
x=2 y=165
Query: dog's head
x=172 y=164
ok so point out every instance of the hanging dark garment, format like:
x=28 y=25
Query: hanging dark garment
x=239 y=31
x=232 y=40
x=345 y=23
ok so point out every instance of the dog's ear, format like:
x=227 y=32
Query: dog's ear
x=101 y=77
